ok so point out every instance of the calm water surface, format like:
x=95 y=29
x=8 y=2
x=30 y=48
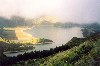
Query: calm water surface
x=58 y=35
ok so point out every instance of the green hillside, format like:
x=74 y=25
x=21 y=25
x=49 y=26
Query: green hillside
x=86 y=53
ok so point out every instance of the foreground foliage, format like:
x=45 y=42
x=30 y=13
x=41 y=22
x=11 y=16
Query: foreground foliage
x=78 y=51
x=83 y=54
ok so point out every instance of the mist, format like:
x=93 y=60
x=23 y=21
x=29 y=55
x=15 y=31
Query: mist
x=77 y=11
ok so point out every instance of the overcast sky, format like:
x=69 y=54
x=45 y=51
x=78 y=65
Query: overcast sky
x=80 y=11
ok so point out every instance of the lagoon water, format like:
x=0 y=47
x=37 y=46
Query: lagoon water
x=58 y=35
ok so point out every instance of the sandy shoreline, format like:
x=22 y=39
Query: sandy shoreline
x=20 y=33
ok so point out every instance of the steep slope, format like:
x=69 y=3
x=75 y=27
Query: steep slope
x=83 y=54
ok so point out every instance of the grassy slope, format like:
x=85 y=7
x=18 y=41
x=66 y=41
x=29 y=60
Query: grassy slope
x=82 y=55
x=74 y=56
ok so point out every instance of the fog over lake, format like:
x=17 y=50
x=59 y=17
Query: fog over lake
x=58 y=35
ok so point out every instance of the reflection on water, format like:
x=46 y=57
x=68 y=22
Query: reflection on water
x=58 y=35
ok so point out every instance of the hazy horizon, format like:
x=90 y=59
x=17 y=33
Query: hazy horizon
x=77 y=11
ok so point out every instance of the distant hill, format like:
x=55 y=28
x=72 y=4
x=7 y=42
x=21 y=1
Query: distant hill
x=89 y=29
x=14 y=21
x=44 y=20
x=17 y=21
x=8 y=34
x=67 y=25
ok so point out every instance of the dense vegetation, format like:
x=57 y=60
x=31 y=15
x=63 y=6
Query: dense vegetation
x=68 y=54
x=45 y=41
x=13 y=46
x=86 y=53
x=89 y=29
